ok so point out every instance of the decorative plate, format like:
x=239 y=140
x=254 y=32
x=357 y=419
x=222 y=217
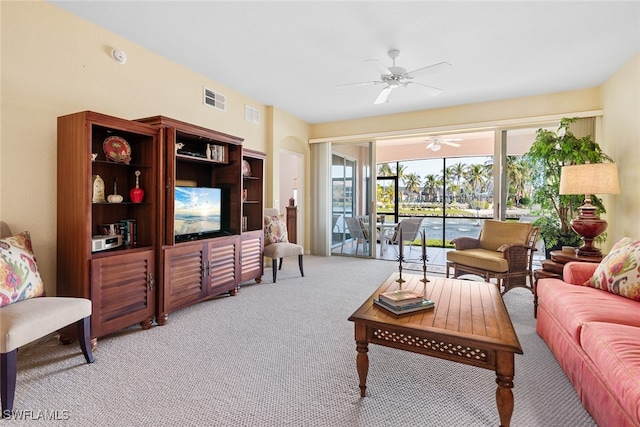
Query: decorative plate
x=117 y=149
x=246 y=168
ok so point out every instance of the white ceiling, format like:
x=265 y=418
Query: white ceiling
x=292 y=54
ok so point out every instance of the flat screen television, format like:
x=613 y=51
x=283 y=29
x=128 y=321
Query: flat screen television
x=198 y=213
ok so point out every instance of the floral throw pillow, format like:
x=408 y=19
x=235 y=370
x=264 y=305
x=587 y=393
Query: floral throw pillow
x=619 y=271
x=275 y=230
x=19 y=276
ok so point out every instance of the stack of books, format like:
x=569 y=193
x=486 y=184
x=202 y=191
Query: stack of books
x=403 y=301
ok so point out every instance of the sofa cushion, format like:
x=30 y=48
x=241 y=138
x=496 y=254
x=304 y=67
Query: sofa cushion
x=497 y=233
x=275 y=230
x=19 y=275
x=480 y=258
x=615 y=351
x=575 y=305
x=619 y=271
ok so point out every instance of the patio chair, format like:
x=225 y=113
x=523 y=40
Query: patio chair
x=358 y=232
x=410 y=231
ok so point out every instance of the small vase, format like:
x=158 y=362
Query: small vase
x=115 y=197
x=137 y=193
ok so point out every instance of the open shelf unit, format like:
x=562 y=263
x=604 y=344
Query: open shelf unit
x=119 y=281
x=251 y=259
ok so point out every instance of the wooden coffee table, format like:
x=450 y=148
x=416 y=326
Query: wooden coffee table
x=469 y=324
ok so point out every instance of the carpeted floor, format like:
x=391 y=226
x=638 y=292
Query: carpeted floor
x=284 y=355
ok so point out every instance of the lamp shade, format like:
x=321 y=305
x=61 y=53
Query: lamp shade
x=590 y=178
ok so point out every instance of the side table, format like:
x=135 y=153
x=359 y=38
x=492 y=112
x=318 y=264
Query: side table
x=552 y=268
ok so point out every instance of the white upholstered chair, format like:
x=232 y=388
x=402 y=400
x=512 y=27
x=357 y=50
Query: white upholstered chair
x=30 y=319
x=281 y=249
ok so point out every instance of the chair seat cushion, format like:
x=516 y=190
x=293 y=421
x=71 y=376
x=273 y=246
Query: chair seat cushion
x=28 y=320
x=480 y=258
x=282 y=250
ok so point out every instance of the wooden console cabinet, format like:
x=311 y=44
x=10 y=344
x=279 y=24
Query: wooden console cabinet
x=152 y=274
x=201 y=269
x=195 y=271
x=120 y=282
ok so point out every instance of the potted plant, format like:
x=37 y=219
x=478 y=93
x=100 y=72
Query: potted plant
x=547 y=155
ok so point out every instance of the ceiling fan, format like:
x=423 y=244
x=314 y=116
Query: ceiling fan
x=436 y=143
x=393 y=77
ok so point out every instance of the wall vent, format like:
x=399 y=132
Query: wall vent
x=251 y=114
x=215 y=99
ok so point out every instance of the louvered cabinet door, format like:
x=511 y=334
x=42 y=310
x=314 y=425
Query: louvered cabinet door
x=184 y=276
x=223 y=265
x=122 y=292
x=251 y=256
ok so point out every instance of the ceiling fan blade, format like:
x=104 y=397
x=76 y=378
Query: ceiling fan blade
x=431 y=144
x=384 y=94
x=449 y=143
x=379 y=66
x=430 y=70
x=359 y=84
x=430 y=90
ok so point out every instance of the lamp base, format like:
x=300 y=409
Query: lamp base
x=589 y=226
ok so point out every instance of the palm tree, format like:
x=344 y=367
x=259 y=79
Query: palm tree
x=477 y=177
x=431 y=185
x=400 y=171
x=385 y=170
x=518 y=173
x=411 y=182
x=457 y=172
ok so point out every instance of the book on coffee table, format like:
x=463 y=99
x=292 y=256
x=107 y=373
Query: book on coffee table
x=424 y=304
x=400 y=298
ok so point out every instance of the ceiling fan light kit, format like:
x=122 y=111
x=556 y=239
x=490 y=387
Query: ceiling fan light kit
x=395 y=76
x=435 y=143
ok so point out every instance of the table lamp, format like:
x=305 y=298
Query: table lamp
x=588 y=179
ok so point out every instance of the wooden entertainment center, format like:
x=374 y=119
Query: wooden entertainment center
x=152 y=273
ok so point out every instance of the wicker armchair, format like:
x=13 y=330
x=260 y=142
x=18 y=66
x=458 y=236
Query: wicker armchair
x=503 y=251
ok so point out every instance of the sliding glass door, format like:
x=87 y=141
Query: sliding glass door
x=353 y=231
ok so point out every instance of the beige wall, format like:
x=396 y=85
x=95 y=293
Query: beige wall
x=53 y=64
x=289 y=133
x=621 y=140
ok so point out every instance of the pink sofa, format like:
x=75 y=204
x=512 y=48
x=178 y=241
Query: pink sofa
x=595 y=336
